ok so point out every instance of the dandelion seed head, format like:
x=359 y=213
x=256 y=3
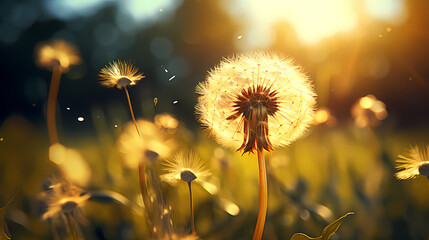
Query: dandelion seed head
x=258 y=100
x=415 y=163
x=119 y=74
x=152 y=140
x=62 y=197
x=57 y=52
x=184 y=166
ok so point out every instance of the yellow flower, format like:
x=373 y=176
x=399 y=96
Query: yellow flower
x=255 y=101
x=186 y=167
x=63 y=197
x=57 y=52
x=414 y=164
x=151 y=143
x=119 y=74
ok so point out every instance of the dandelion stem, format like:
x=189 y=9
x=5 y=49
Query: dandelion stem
x=131 y=109
x=54 y=230
x=191 y=205
x=143 y=191
x=262 y=196
x=52 y=103
x=71 y=227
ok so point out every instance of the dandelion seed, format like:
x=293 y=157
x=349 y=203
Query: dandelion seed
x=57 y=53
x=80 y=119
x=171 y=78
x=134 y=147
x=63 y=197
x=155 y=101
x=68 y=109
x=185 y=167
x=121 y=74
x=116 y=125
x=175 y=102
x=415 y=163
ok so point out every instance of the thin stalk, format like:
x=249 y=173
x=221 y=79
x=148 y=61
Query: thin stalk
x=191 y=205
x=143 y=188
x=131 y=109
x=259 y=229
x=52 y=103
x=54 y=230
x=71 y=226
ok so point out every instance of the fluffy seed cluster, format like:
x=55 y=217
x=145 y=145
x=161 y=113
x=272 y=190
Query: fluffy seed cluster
x=119 y=74
x=57 y=52
x=415 y=163
x=152 y=143
x=63 y=197
x=184 y=166
x=256 y=101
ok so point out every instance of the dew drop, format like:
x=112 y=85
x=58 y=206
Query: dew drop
x=116 y=125
x=80 y=119
x=175 y=102
x=68 y=109
x=171 y=78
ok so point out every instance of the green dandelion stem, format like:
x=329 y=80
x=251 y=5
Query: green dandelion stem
x=52 y=103
x=131 y=109
x=259 y=229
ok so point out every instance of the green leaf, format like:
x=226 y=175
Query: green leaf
x=327 y=232
x=4 y=231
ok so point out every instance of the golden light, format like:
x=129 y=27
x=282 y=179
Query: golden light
x=71 y=163
x=367 y=101
x=322 y=115
x=229 y=207
x=167 y=121
x=312 y=20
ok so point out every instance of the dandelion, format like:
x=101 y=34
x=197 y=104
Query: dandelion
x=121 y=74
x=256 y=102
x=140 y=151
x=414 y=164
x=151 y=144
x=185 y=167
x=58 y=56
x=63 y=200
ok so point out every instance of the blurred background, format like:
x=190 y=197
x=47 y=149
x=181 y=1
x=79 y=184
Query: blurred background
x=369 y=61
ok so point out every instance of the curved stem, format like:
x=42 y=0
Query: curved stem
x=131 y=109
x=191 y=205
x=52 y=104
x=259 y=229
x=143 y=190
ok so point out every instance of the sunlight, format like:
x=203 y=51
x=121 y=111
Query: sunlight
x=312 y=20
